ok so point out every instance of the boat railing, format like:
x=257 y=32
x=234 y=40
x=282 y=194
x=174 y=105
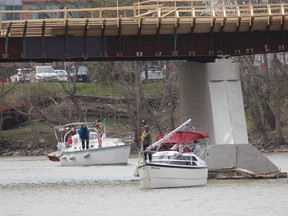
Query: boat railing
x=127 y=137
x=61 y=146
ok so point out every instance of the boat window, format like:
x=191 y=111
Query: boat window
x=181 y=157
x=180 y=162
x=194 y=158
x=160 y=157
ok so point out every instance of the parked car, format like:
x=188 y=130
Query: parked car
x=82 y=74
x=62 y=75
x=45 y=73
x=154 y=73
x=21 y=75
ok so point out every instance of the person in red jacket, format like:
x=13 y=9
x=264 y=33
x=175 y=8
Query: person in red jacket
x=69 y=142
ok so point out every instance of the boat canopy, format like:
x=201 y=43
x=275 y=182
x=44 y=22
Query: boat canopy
x=182 y=137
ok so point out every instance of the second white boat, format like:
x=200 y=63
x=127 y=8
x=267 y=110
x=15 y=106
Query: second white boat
x=178 y=166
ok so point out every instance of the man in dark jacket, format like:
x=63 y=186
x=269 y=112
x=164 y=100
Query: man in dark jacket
x=146 y=142
x=84 y=135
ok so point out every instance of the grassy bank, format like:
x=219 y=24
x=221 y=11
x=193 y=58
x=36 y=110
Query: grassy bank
x=96 y=89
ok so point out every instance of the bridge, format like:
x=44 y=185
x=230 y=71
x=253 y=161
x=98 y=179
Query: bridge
x=153 y=29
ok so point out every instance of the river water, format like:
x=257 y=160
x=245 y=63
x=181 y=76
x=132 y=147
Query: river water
x=36 y=186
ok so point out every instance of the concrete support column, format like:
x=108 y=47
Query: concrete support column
x=211 y=95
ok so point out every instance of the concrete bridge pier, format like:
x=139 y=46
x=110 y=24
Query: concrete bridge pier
x=211 y=95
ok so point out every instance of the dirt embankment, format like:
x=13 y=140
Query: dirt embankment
x=24 y=148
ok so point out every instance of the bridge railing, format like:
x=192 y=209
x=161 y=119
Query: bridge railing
x=153 y=9
x=137 y=11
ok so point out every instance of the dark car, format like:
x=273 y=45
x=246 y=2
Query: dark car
x=82 y=74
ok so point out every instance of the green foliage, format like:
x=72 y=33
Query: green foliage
x=36 y=131
x=96 y=89
x=154 y=88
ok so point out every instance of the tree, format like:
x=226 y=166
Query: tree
x=264 y=88
x=279 y=83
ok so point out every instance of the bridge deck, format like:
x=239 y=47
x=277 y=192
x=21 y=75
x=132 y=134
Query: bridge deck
x=150 y=18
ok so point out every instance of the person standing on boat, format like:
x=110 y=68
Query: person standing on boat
x=100 y=130
x=69 y=141
x=196 y=149
x=146 y=142
x=84 y=135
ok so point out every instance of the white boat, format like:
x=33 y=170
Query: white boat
x=176 y=167
x=113 y=150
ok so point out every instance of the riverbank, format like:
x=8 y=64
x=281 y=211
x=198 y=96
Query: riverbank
x=24 y=148
x=38 y=139
x=29 y=148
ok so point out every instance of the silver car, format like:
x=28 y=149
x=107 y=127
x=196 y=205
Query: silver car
x=62 y=75
x=45 y=73
x=21 y=75
x=154 y=73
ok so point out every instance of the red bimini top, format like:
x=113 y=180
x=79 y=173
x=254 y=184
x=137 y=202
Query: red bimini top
x=182 y=137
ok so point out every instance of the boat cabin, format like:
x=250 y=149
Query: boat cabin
x=175 y=157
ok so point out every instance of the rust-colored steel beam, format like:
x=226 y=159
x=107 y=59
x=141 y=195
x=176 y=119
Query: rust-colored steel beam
x=23 y=54
x=66 y=39
x=119 y=53
x=175 y=52
x=237 y=49
x=192 y=51
x=5 y=55
x=85 y=53
x=43 y=39
x=103 y=40
x=267 y=48
x=221 y=38
x=55 y=47
x=158 y=52
x=282 y=45
x=250 y=50
x=106 y=47
x=211 y=52
x=139 y=52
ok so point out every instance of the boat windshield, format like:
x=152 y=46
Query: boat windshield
x=62 y=132
x=174 y=158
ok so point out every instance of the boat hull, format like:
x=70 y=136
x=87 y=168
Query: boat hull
x=54 y=156
x=167 y=176
x=99 y=156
